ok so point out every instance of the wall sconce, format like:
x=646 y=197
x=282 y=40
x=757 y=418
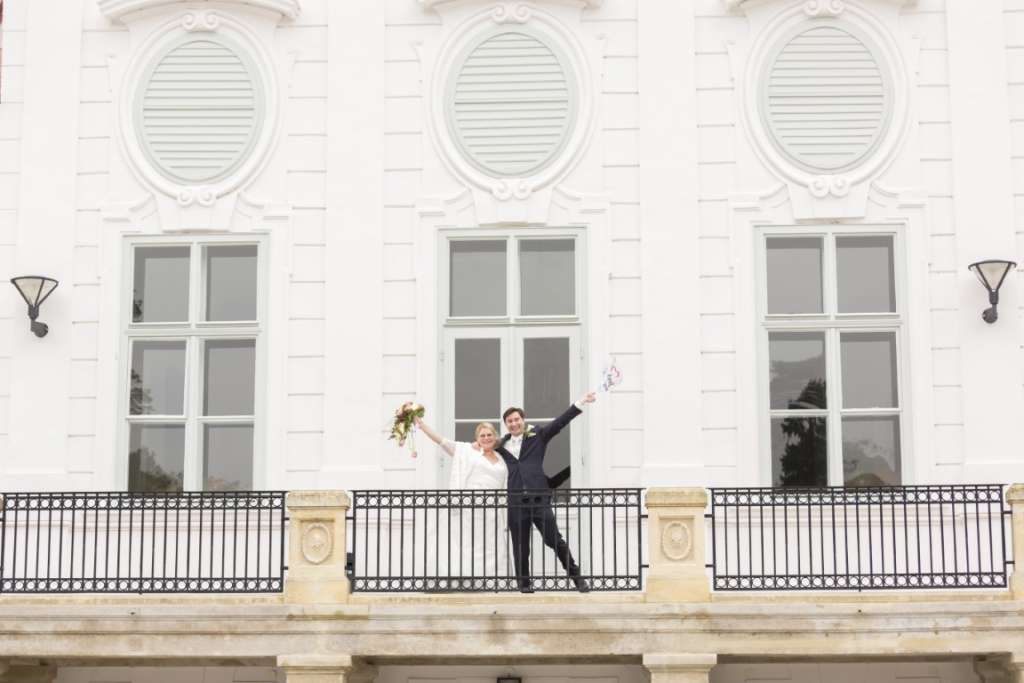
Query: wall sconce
x=34 y=289
x=992 y=273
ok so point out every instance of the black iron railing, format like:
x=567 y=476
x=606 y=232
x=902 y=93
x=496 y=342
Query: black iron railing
x=193 y=542
x=460 y=541
x=900 y=537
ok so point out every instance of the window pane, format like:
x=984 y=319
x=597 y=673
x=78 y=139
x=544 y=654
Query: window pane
x=545 y=377
x=478 y=278
x=871 y=451
x=797 y=370
x=157 y=378
x=156 y=458
x=869 y=369
x=231 y=282
x=547 y=276
x=229 y=385
x=864 y=267
x=227 y=457
x=794 y=275
x=160 y=287
x=799 y=451
x=558 y=457
x=477 y=379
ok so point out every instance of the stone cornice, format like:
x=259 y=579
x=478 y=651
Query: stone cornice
x=589 y=4
x=115 y=10
x=743 y=5
x=492 y=631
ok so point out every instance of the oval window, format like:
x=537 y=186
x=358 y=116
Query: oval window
x=511 y=104
x=199 y=110
x=826 y=100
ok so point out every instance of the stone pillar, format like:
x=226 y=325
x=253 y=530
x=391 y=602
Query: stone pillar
x=316 y=547
x=1015 y=497
x=324 y=669
x=688 y=668
x=676 y=546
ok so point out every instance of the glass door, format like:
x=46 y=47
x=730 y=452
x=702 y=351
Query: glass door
x=536 y=368
x=546 y=362
x=477 y=370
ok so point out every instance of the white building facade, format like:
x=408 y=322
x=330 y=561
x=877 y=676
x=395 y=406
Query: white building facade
x=274 y=221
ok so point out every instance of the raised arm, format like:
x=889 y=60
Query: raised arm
x=446 y=445
x=548 y=431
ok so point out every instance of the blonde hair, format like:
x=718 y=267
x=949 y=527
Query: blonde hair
x=484 y=425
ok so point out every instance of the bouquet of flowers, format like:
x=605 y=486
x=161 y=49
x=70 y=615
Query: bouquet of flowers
x=404 y=426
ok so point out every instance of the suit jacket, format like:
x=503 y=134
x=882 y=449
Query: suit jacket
x=528 y=471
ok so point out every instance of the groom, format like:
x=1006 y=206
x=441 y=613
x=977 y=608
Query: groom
x=529 y=498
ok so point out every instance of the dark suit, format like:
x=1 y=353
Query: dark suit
x=533 y=509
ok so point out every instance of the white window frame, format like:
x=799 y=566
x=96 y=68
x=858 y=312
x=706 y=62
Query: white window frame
x=195 y=332
x=832 y=323
x=511 y=328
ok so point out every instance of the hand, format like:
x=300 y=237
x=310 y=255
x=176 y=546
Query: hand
x=418 y=421
x=588 y=397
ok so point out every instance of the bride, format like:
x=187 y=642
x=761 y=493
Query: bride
x=472 y=545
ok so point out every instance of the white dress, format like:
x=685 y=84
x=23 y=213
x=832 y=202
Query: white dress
x=474 y=545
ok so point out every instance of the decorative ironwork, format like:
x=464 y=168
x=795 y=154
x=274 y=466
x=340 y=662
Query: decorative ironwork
x=869 y=538
x=123 y=542
x=457 y=541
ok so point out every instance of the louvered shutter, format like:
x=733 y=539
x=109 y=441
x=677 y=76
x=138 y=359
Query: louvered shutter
x=511 y=104
x=199 y=111
x=826 y=99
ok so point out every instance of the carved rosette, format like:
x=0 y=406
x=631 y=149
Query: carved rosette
x=317 y=543
x=676 y=540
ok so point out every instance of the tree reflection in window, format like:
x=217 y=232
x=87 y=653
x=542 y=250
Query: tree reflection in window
x=804 y=460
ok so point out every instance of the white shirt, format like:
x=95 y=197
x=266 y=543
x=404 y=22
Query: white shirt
x=515 y=443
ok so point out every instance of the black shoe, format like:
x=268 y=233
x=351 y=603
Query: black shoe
x=525 y=586
x=581 y=584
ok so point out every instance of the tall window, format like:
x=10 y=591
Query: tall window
x=512 y=331
x=193 y=339
x=831 y=321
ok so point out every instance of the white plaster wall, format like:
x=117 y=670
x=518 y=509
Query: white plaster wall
x=304 y=143
x=927 y=22
x=12 y=94
x=373 y=354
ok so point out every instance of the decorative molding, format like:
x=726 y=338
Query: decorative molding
x=430 y=4
x=317 y=542
x=116 y=10
x=133 y=212
x=824 y=8
x=813 y=8
x=515 y=13
x=240 y=39
x=819 y=193
x=676 y=539
x=200 y=21
x=575 y=59
x=825 y=185
x=202 y=195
